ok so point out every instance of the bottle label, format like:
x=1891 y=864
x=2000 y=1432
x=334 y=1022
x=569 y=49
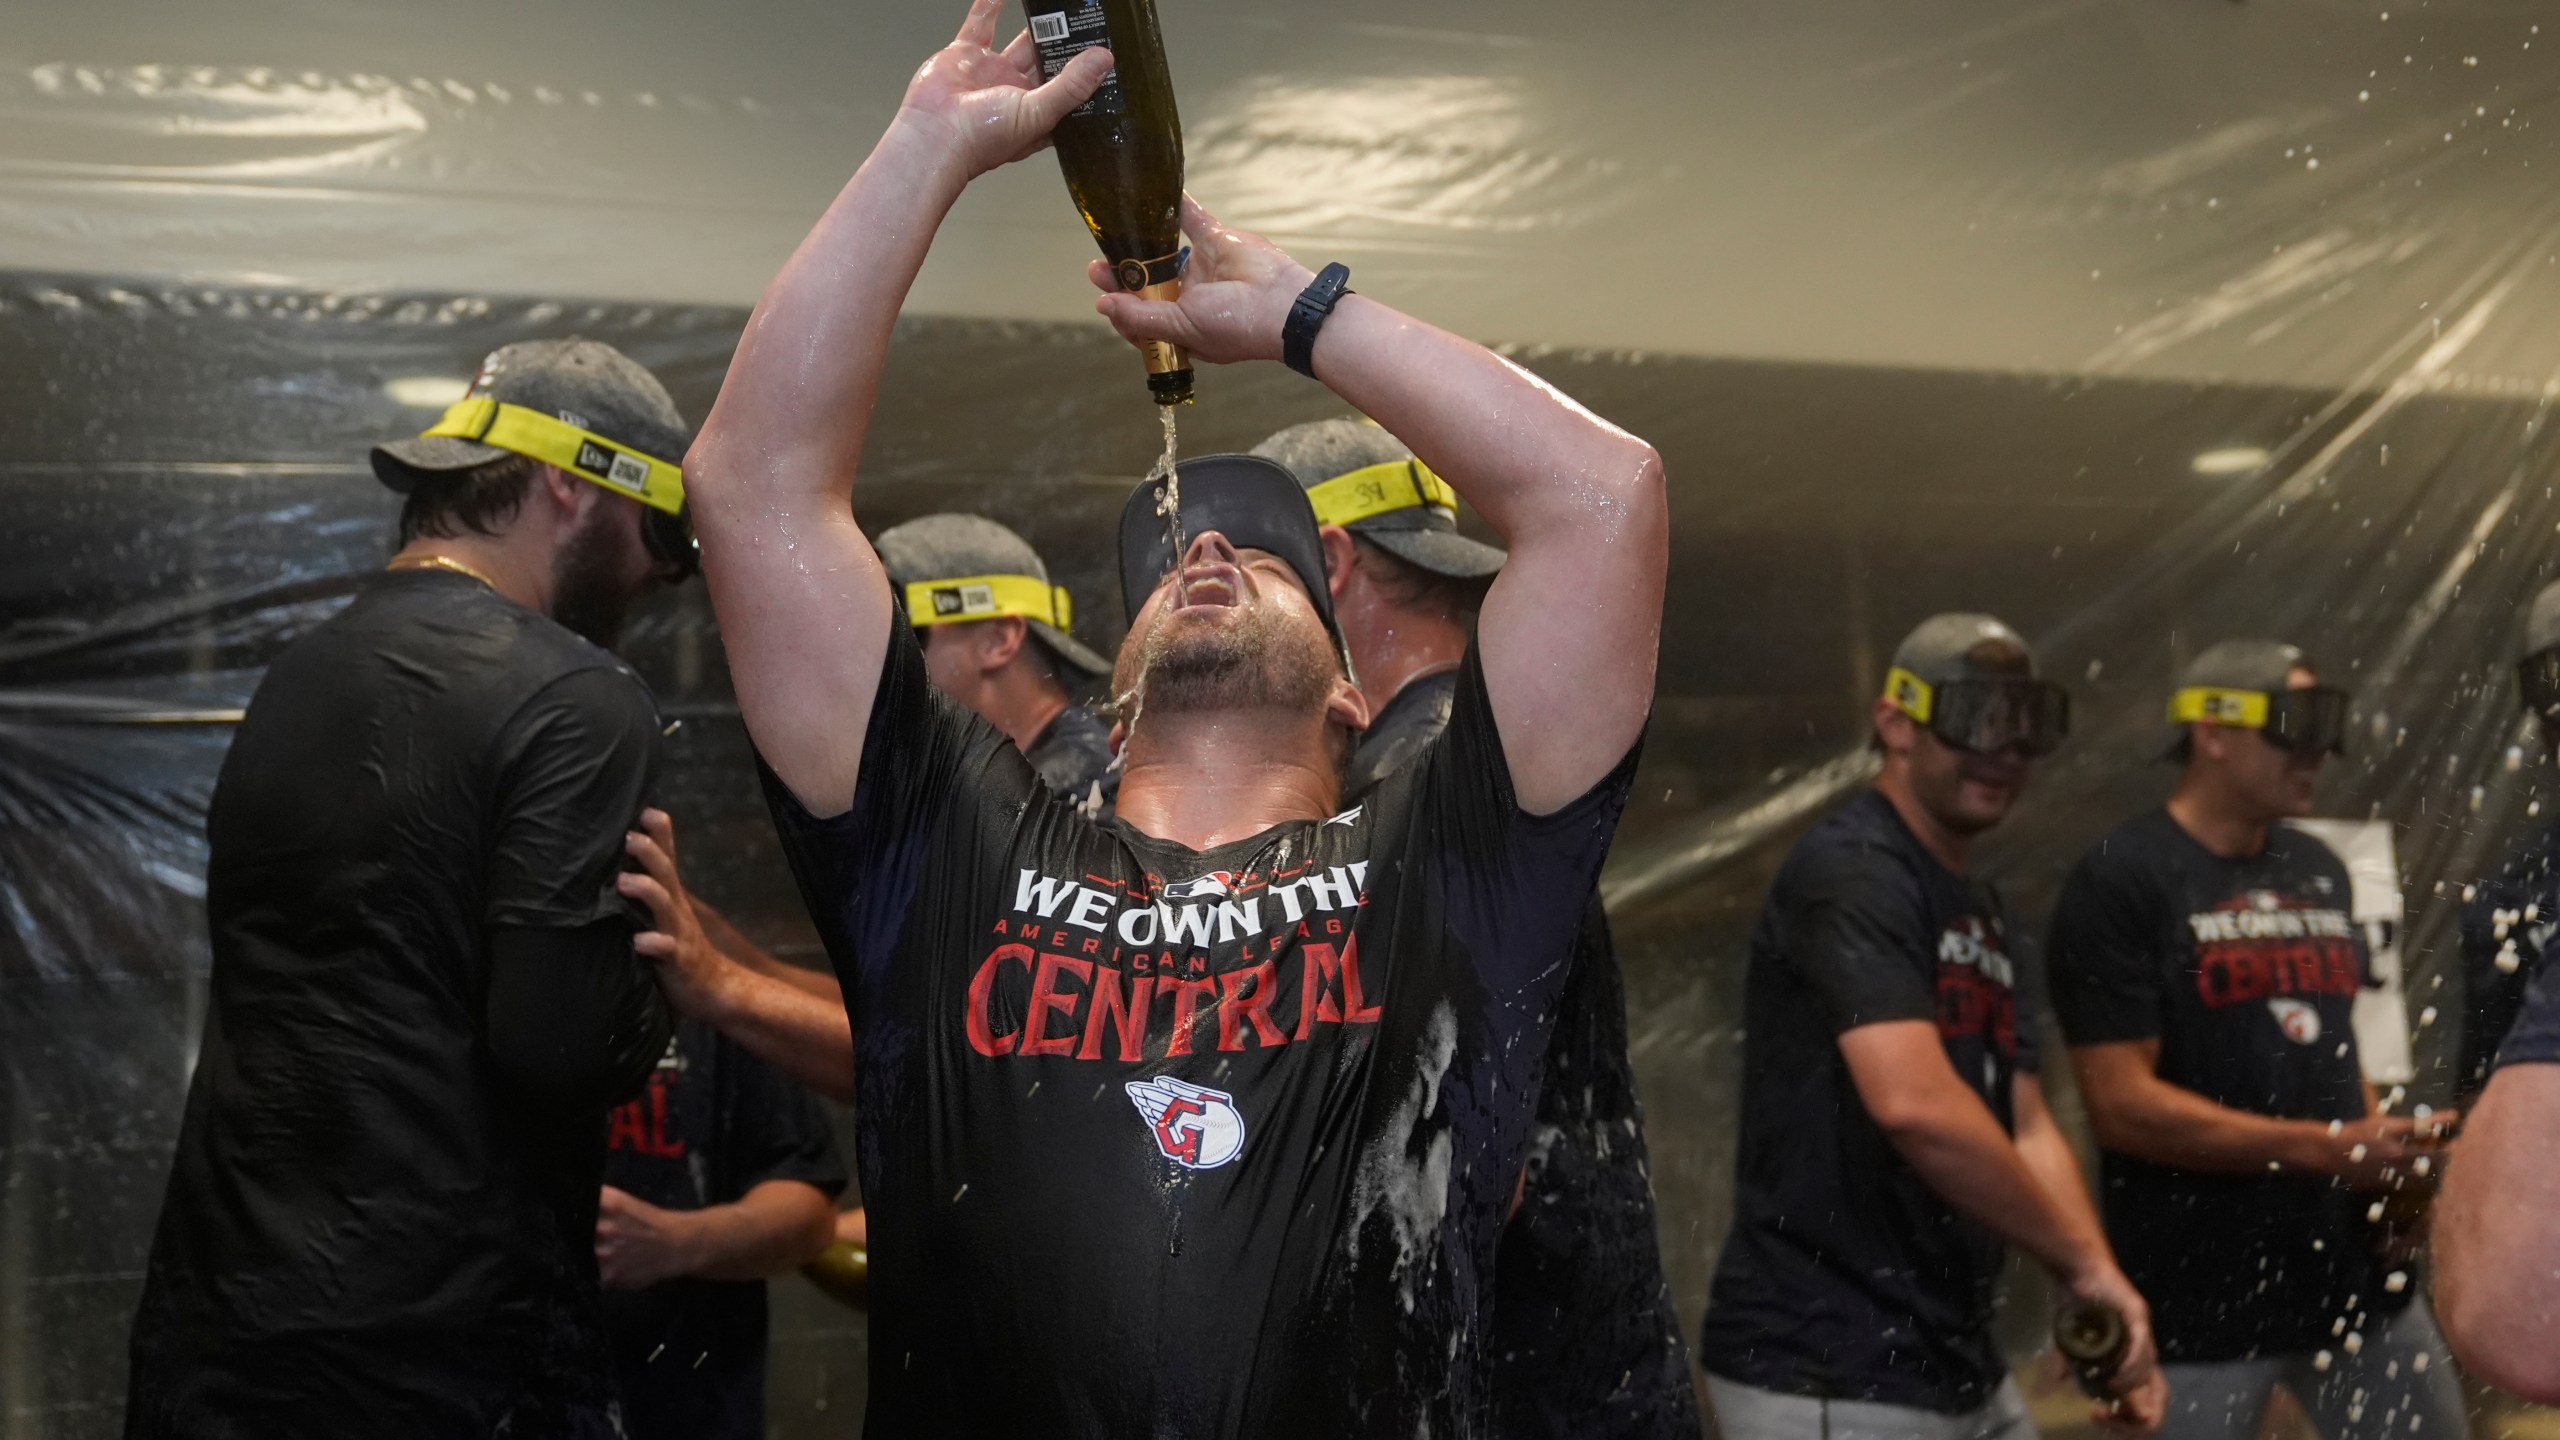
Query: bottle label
x=1062 y=35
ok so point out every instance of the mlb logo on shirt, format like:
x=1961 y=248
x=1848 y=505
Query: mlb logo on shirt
x=1195 y=1127
x=2299 y=1022
x=1217 y=884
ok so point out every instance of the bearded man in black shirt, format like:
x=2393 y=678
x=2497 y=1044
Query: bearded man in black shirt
x=1894 y=1131
x=1202 y=1120
x=424 y=996
x=2205 y=969
x=1586 y=1340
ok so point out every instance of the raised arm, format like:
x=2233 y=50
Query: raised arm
x=804 y=607
x=1569 y=629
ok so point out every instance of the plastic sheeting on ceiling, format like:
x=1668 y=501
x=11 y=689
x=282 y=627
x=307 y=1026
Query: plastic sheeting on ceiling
x=2274 y=191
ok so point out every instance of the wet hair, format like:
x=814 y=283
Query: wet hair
x=1408 y=586
x=479 y=500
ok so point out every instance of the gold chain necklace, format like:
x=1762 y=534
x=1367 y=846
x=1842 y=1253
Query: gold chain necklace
x=439 y=562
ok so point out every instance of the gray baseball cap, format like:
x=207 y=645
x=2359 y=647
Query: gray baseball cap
x=1367 y=481
x=1940 y=649
x=973 y=548
x=2259 y=667
x=586 y=384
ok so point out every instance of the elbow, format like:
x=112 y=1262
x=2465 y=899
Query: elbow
x=816 y=1234
x=2110 y=1126
x=2518 y=1359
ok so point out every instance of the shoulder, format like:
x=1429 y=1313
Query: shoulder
x=1861 y=844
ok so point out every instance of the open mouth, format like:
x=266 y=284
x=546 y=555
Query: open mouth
x=1208 y=584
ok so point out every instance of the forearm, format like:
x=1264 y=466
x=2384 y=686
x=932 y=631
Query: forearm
x=2047 y=1156
x=2150 y=1119
x=777 y=1226
x=790 y=419
x=1516 y=448
x=807 y=1038
x=732 y=942
x=2497 y=1235
x=1961 y=1153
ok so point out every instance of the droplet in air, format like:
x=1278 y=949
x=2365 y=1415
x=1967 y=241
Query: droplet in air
x=2321 y=1361
x=2355 y=1342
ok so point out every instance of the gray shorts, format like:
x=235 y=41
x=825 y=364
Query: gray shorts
x=1745 y=1412
x=2401 y=1384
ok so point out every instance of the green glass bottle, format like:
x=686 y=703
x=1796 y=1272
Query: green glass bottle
x=1121 y=152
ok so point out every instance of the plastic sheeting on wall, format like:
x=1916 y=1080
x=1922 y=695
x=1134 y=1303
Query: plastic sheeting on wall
x=186 y=492
x=2271 y=191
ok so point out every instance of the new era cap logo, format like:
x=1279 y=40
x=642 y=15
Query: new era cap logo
x=964 y=600
x=1195 y=1127
x=614 y=467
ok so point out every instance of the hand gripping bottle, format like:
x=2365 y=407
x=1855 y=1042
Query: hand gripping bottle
x=1121 y=152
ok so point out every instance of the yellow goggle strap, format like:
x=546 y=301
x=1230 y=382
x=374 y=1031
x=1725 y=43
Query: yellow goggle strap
x=984 y=597
x=2246 y=708
x=656 y=483
x=1910 y=694
x=1379 y=490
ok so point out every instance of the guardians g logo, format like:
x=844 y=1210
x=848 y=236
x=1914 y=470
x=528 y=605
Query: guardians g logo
x=1196 y=1128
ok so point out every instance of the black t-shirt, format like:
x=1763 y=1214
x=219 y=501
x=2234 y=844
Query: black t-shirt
x=715 y=1123
x=363 y=1221
x=2246 y=972
x=1586 y=1340
x=1845 y=1275
x=2535 y=1039
x=1073 y=755
x=2505 y=924
x=1189 y=1143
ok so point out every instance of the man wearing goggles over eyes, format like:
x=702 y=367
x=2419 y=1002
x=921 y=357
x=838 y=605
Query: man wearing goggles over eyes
x=424 y=992
x=2513 y=912
x=2205 y=968
x=1895 y=1137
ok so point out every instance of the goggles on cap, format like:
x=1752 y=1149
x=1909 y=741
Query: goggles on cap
x=2538 y=677
x=985 y=597
x=1985 y=714
x=1381 y=489
x=657 y=484
x=2306 y=722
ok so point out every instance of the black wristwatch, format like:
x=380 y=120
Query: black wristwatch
x=1308 y=314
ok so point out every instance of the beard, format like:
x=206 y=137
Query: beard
x=1257 y=662
x=589 y=595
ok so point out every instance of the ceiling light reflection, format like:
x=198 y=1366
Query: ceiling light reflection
x=2232 y=460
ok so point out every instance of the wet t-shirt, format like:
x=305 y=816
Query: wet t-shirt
x=2246 y=972
x=1585 y=1337
x=1163 y=1142
x=2506 y=921
x=2535 y=1037
x=714 y=1123
x=1845 y=1276
x=363 y=1220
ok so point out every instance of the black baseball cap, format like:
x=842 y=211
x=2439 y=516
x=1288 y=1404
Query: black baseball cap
x=1256 y=503
x=1364 y=479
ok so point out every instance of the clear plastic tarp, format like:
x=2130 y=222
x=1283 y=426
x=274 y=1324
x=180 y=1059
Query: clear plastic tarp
x=2141 y=323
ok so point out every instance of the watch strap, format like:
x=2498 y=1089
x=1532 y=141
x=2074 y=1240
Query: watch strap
x=1307 y=315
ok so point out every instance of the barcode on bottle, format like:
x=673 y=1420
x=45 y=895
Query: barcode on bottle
x=1050 y=28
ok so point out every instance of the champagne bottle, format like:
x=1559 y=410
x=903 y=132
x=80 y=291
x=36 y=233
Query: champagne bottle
x=2092 y=1335
x=1121 y=151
